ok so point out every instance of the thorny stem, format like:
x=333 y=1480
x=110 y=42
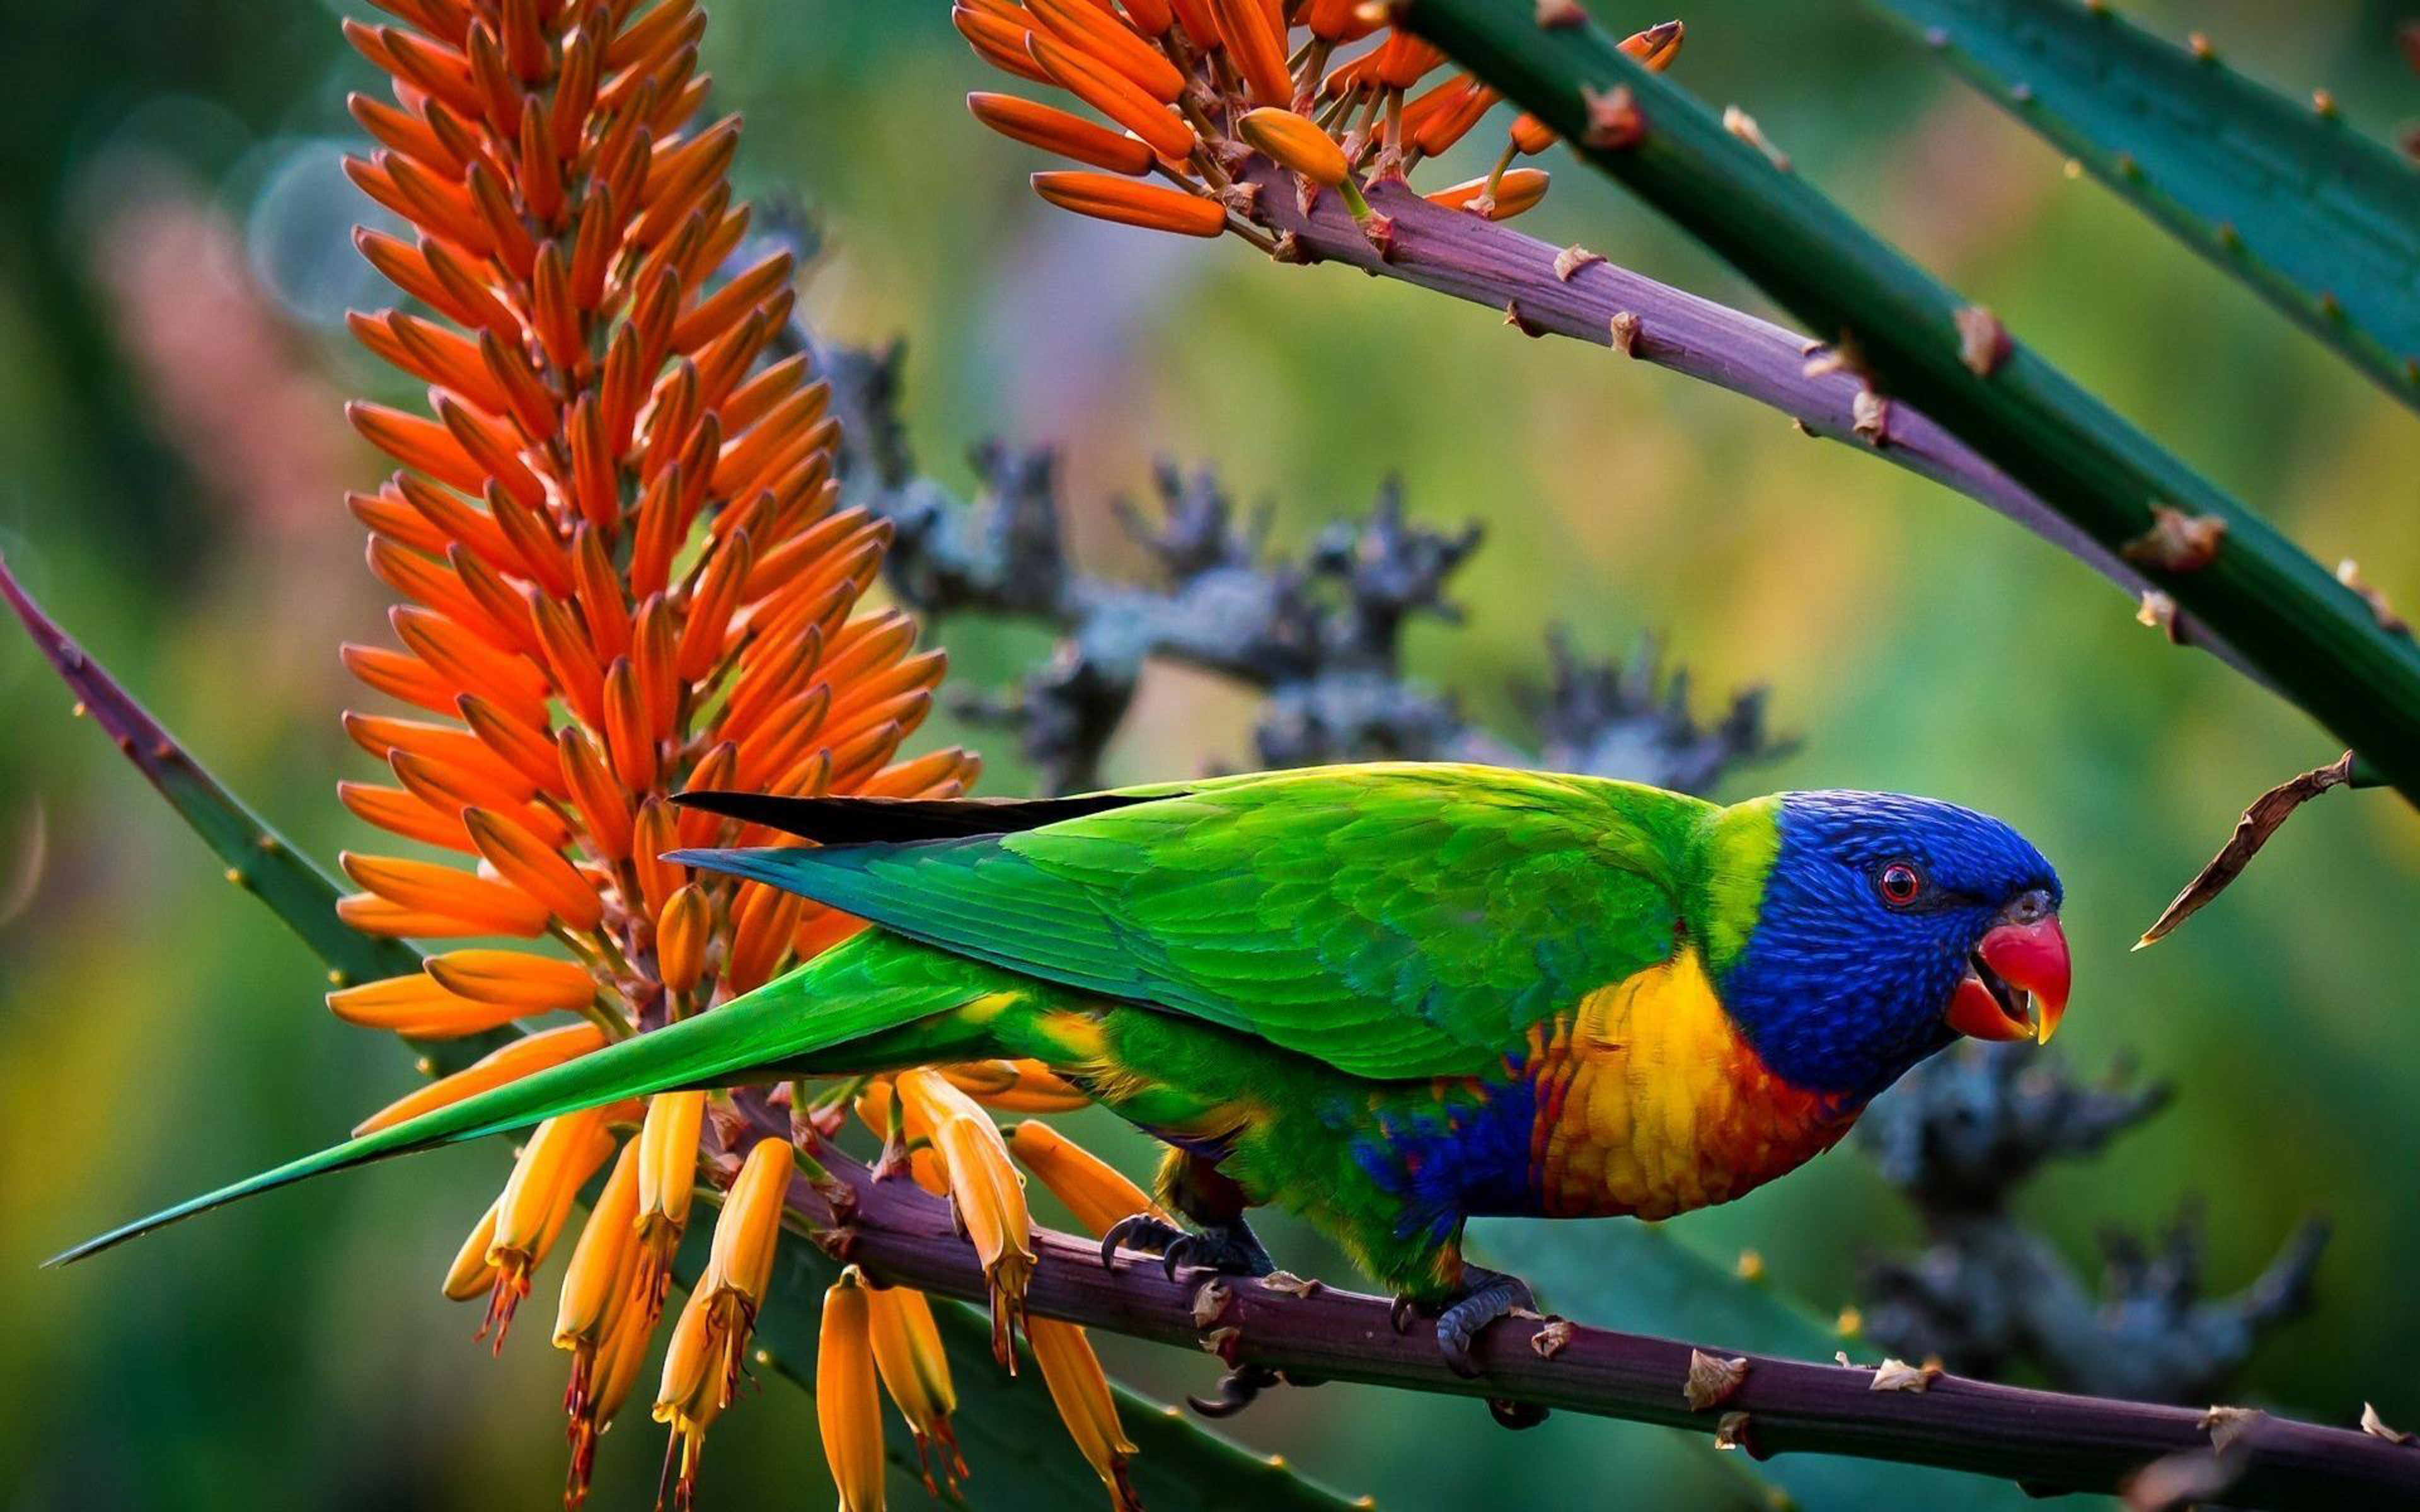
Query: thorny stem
x=1488 y=263
x=2048 y=1441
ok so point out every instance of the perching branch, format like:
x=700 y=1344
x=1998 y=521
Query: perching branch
x=1544 y=291
x=2048 y=1441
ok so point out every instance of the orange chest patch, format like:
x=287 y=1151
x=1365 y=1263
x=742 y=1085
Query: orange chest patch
x=1650 y=1103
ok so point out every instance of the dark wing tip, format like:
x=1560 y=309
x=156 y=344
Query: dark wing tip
x=852 y=821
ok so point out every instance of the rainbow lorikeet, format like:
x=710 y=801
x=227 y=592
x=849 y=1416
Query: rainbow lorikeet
x=1389 y=998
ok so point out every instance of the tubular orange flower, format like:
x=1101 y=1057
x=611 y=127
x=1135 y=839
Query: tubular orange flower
x=1116 y=96
x=561 y=1154
x=1055 y=131
x=667 y=1179
x=513 y=978
x=690 y=1397
x=846 y=1409
x=1132 y=204
x=1256 y=47
x=614 y=534
x=1031 y=1088
x=1093 y=30
x=916 y=1372
x=1082 y=1394
x=703 y=1362
x=1498 y=196
x=1092 y=1189
x=988 y=1196
x=598 y=1282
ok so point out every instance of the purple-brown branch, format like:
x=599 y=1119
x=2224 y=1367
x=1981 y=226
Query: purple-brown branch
x=2048 y=1441
x=1457 y=253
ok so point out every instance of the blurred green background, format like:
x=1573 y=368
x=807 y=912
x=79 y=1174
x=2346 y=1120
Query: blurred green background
x=173 y=270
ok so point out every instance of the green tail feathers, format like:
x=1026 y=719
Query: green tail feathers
x=771 y=1030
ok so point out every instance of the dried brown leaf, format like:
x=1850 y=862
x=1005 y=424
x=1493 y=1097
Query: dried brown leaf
x=1742 y=125
x=1624 y=327
x=1614 y=119
x=1712 y=1380
x=1551 y=1336
x=1291 y=1284
x=1897 y=1375
x=1870 y=416
x=2376 y=1428
x=1731 y=1433
x=1573 y=258
x=2227 y=1425
x=2252 y=831
x=2177 y=542
x=1984 y=343
x=1209 y=1303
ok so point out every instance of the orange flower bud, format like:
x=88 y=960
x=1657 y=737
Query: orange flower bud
x=1657 y=46
x=1530 y=135
x=1055 y=131
x=1256 y=46
x=846 y=1409
x=682 y=930
x=1093 y=1190
x=1036 y=1089
x=428 y=888
x=997 y=43
x=989 y=1198
x=534 y=867
x=1132 y=204
x=916 y=1372
x=1093 y=31
x=419 y=1006
x=533 y=984
x=1081 y=1392
x=561 y=1154
x=1295 y=142
x=1517 y=189
x=508 y=1063
x=1116 y=96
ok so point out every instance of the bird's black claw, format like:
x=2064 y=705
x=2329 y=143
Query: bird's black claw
x=1400 y=1315
x=1518 y=1416
x=1228 y=1249
x=1237 y=1389
x=1486 y=1296
x=1144 y=1231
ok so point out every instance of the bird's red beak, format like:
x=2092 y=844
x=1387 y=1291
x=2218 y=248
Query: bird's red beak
x=2016 y=984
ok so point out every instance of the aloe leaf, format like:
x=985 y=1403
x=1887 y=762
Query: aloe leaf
x=2307 y=634
x=2318 y=219
x=1009 y=1426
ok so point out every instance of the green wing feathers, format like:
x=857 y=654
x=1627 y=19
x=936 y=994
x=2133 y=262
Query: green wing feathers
x=1394 y=921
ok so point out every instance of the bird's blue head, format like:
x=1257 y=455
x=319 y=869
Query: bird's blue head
x=1884 y=927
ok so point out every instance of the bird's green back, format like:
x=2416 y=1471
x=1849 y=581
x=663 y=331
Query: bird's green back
x=1392 y=920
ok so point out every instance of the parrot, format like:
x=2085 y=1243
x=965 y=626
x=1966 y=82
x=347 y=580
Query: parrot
x=1387 y=996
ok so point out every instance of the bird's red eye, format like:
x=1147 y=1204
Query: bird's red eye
x=1899 y=884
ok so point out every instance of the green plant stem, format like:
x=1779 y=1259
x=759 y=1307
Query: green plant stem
x=2309 y=635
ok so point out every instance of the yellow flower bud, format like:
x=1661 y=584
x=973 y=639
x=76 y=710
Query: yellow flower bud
x=915 y=1371
x=596 y=1282
x=471 y=1276
x=1082 y=1394
x=1093 y=1190
x=744 y=1236
x=1295 y=142
x=846 y=1409
x=667 y=1177
x=561 y=1154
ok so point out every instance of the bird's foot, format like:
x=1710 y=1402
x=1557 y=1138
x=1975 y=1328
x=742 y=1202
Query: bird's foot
x=1483 y=1296
x=1229 y=1248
